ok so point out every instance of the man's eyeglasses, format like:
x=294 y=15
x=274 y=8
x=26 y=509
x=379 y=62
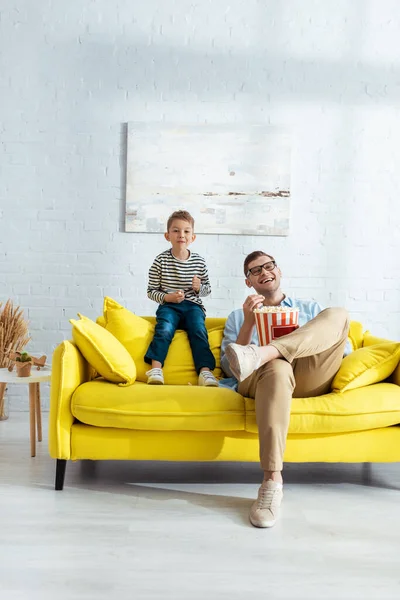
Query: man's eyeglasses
x=268 y=266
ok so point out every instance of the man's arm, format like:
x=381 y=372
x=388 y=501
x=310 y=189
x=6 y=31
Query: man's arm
x=249 y=321
x=231 y=332
x=315 y=309
x=239 y=327
x=245 y=333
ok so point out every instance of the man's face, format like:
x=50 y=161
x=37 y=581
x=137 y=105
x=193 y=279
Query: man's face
x=269 y=278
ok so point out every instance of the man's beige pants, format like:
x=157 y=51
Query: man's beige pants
x=311 y=358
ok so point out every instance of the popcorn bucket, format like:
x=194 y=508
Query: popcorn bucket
x=273 y=322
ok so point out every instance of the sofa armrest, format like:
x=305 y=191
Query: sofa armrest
x=69 y=370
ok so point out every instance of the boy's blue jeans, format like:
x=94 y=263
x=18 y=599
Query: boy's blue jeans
x=187 y=316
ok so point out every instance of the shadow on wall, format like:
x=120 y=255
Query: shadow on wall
x=177 y=74
x=123 y=164
x=262 y=71
x=143 y=73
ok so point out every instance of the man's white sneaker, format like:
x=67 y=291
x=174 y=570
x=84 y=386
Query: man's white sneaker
x=243 y=360
x=265 y=510
x=155 y=377
x=207 y=378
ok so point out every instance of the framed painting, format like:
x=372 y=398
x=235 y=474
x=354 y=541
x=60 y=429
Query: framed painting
x=233 y=179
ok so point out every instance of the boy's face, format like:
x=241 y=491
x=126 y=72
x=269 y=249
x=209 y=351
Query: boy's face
x=180 y=234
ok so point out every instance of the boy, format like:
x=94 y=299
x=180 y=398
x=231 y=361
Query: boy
x=178 y=278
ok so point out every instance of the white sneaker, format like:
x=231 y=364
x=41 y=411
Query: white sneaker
x=155 y=377
x=207 y=378
x=265 y=510
x=243 y=360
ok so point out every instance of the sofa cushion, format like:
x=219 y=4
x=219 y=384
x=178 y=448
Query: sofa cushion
x=367 y=365
x=135 y=334
x=167 y=407
x=355 y=410
x=103 y=351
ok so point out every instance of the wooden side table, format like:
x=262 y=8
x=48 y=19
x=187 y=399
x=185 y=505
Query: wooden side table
x=35 y=412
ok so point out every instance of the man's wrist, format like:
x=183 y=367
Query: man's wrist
x=248 y=327
x=245 y=333
x=249 y=323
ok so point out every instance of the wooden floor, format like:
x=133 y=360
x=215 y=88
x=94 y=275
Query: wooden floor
x=180 y=531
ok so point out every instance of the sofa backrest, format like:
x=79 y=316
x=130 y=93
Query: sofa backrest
x=211 y=322
x=356 y=332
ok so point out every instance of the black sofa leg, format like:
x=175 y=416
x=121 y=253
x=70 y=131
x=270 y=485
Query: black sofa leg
x=60 y=473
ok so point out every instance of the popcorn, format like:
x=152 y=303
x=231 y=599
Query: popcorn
x=264 y=309
x=273 y=322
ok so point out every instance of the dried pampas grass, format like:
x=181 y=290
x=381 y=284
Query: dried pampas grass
x=14 y=336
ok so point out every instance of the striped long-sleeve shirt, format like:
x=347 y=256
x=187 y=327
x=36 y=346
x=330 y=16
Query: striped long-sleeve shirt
x=168 y=274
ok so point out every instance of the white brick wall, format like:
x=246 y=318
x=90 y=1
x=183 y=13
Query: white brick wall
x=71 y=75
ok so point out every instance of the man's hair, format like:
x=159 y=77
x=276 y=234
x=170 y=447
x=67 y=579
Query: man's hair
x=184 y=215
x=252 y=256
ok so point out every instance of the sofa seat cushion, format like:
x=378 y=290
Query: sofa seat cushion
x=158 y=407
x=359 y=409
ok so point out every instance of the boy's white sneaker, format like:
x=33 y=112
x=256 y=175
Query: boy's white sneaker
x=207 y=378
x=155 y=377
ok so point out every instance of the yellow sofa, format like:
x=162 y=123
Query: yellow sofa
x=91 y=418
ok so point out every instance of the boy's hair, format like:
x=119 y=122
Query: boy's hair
x=252 y=256
x=184 y=215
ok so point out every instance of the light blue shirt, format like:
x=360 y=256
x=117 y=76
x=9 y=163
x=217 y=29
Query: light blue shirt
x=308 y=309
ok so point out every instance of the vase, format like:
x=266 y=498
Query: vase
x=4 y=408
x=23 y=369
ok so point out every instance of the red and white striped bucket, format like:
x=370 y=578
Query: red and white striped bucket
x=274 y=322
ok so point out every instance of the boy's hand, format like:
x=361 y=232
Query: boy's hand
x=252 y=302
x=175 y=297
x=196 y=283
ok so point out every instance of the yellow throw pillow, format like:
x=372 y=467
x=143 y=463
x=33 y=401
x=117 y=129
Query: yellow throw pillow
x=356 y=334
x=371 y=340
x=133 y=332
x=136 y=334
x=103 y=351
x=366 y=366
x=395 y=378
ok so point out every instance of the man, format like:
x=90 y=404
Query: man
x=301 y=364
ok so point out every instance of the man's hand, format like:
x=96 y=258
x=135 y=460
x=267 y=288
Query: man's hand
x=175 y=297
x=251 y=302
x=196 y=283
